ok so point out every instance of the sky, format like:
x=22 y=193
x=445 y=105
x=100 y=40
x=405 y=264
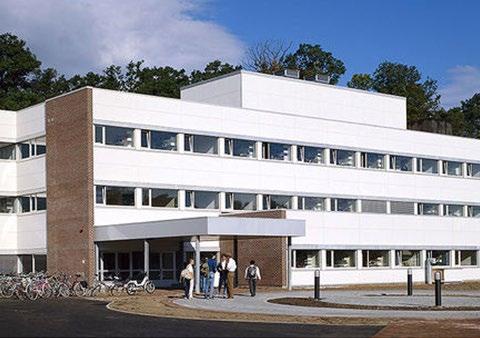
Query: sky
x=440 y=37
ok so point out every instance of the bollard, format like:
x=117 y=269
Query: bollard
x=438 y=289
x=317 y=285
x=409 y=282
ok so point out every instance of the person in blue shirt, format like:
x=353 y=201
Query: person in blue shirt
x=209 y=284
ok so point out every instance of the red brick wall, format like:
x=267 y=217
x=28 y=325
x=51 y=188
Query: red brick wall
x=269 y=253
x=70 y=236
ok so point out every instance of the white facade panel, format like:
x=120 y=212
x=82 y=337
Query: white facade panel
x=8 y=126
x=31 y=122
x=8 y=234
x=344 y=229
x=222 y=91
x=31 y=175
x=172 y=169
x=32 y=233
x=144 y=111
x=8 y=177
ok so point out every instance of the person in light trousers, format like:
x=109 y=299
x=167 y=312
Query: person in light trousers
x=252 y=275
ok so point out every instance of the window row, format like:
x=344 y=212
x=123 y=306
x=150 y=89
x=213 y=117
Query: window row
x=23 y=204
x=381 y=258
x=163 y=140
x=169 y=198
x=22 y=150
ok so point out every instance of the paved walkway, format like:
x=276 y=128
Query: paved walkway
x=259 y=304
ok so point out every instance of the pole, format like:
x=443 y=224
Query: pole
x=197 y=264
x=317 y=285
x=409 y=282
x=438 y=289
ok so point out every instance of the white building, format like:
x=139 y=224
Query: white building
x=136 y=182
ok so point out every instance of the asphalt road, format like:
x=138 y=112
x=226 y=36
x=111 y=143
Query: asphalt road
x=79 y=318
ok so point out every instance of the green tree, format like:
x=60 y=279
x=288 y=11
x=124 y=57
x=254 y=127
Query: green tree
x=312 y=60
x=212 y=69
x=17 y=66
x=423 y=100
x=471 y=112
x=361 y=81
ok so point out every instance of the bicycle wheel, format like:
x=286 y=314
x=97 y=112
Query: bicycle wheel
x=131 y=289
x=8 y=291
x=31 y=292
x=149 y=287
x=79 y=290
x=47 y=291
x=63 y=290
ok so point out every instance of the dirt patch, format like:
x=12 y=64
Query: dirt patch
x=431 y=329
x=310 y=302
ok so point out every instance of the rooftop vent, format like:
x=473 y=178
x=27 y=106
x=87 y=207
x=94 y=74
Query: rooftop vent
x=321 y=78
x=292 y=73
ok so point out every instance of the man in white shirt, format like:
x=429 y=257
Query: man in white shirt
x=231 y=268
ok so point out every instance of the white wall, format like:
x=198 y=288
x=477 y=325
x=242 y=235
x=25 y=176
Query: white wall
x=32 y=232
x=222 y=91
x=390 y=231
x=8 y=178
x=307 y=98
x=176 y=170
x=8 y=130
x=8 y=233
x=31 y=175
x=31 y=122
x=171 y=114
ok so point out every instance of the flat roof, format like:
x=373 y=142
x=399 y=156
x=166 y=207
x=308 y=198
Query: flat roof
x=201 y=226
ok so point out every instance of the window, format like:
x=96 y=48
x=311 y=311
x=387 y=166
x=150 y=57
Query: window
x=163 y=198
x=159 y=140
x=428 y=209
x=425 y=165
x=7 y=151
x=115 y=195
x=311 y=203
x=40 y=146
x=201 y=144
x=376 y=207
x=466 y=257
x=473 y=169
x=372 y=160
x=99 y=137
x=240 y=148
x=401 y=163
x=305 y=259
x=41 y=203
x=201 y=199
x=375 y=258
x=342 y=157
x=25 y=151
x=474 y=211
x=454 y=210
x=453 y=168
x=402 y=208
x=244 y=201
x=343 y=204
x=407 y=258
x=276 y=151
x=7 y=205
x=341 y=259
x=276 y=202
x=114 y=136
x=440 y=257
x=310 y=154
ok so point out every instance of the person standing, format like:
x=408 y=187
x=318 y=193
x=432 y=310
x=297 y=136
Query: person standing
x=212 y=268
x=252 y=275
x=187 y=277
x=222 y=271
x=231 y=268
x=204 y=275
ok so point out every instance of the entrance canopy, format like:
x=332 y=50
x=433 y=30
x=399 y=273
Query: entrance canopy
x=202 y=226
